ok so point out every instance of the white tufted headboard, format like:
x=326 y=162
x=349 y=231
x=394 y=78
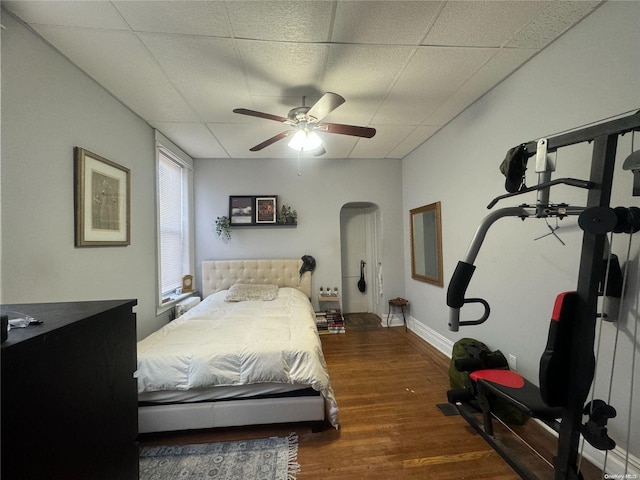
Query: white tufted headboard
x=221 y=274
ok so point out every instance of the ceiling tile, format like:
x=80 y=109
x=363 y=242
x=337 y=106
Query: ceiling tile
x=95 y=14
x=550 y=23
x=206 y=71
x=199 y=141
x=189 y=18
x=433 y=75
x=375 y=22
x=296 y=64
x=284 y=21
x=412 y=141
x=238 y=138
x=121 y=64
x=502 y=64
x=481 y=23
x=338 y=146
x=382 y=143
x=364 y=72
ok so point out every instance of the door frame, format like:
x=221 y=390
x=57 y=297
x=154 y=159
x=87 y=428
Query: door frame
x=373 y=251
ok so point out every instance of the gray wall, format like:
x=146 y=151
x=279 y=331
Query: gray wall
x=318 y=194
x=48 y=107
x=589 y=74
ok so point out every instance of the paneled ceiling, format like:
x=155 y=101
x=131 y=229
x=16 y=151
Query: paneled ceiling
x=405 y=68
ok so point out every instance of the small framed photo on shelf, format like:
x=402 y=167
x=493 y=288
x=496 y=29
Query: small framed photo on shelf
x=266 y=209
x=102 y=201
x=241 y=209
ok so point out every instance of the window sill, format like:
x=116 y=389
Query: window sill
x=171 y=302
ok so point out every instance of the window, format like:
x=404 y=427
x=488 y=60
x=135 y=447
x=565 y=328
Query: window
x=175 y=249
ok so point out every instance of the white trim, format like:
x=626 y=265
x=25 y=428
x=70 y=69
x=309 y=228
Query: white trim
x=172 y=150
x=440 y=342
x=170 y=304
x=168 y=148
x=615 y=457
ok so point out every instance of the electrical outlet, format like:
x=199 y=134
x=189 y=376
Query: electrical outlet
x=513 y=362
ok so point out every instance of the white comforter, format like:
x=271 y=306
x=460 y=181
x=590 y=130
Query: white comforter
x=238 y=343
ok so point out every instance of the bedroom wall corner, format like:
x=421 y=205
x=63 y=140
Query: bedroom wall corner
x=48 y=107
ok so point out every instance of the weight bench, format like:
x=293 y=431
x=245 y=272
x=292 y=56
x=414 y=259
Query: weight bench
x=546 y=402
x=516 y=390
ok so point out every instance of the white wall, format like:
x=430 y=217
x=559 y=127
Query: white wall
x=318 y=194
x=48 y=107
x=588 y=74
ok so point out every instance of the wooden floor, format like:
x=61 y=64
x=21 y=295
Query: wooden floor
x=387 y=384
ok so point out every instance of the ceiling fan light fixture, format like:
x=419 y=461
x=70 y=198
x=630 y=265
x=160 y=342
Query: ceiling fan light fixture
x=305 y=121
x=304 y=140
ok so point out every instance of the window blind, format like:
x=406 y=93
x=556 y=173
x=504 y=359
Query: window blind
x=171 y=223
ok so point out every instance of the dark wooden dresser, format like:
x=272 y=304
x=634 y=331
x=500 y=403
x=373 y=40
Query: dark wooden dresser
x=69 y=398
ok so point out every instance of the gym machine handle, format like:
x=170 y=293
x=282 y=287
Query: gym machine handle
x=573 y=182
x=464 y=270
x=455 y=297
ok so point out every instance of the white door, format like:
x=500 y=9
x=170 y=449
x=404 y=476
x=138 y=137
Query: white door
x=357 y=238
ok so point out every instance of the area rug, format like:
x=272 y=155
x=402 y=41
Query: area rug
x=274 y=458
x=362 y=321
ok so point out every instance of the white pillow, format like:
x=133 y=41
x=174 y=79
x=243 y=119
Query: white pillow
x=246 y=291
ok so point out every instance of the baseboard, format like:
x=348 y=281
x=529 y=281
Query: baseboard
x=616 y=462
x=433 y=338
x=616 y=458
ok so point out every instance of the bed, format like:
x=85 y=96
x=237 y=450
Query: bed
x=248 y=354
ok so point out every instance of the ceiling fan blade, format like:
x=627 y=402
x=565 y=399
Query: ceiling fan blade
x=352 y=130
x=253 y=113
x=327 y=104
x=272 y=140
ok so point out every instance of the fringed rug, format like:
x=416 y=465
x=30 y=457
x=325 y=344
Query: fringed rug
x=274 y=458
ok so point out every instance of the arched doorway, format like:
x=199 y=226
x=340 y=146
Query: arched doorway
x=360 y=240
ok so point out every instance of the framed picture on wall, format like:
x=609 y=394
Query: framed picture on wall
x=266 y=209
x=241 y=209
x=102 y=201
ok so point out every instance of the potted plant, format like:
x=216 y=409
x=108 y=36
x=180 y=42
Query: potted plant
x=287 y=215
x=223 y=228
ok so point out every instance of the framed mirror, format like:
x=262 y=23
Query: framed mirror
x=426 y=244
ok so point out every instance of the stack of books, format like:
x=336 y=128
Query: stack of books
x=335 y=322
x=330 y=321
x=321 y=323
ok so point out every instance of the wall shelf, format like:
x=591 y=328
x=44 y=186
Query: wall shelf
x=265 y=225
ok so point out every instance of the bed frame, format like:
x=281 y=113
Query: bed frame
x=220 y=275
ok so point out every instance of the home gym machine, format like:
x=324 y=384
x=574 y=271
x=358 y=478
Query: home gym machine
x=565 y=385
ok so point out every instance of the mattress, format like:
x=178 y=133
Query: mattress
x=227 y=344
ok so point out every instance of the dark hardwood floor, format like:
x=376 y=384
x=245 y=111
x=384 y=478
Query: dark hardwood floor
x=388 y=383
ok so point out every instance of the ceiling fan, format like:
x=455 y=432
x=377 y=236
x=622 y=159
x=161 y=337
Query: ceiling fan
x=306 y=121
